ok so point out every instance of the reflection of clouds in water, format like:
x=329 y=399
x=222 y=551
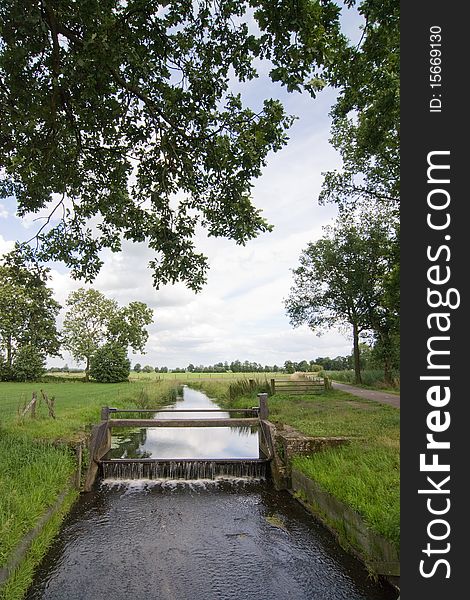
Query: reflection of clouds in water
x=198 y=442
x=201 y=442
x=193 y=399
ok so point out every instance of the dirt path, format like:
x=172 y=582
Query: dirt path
x=383 y=397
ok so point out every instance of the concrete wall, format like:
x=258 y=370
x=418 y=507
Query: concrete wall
x=284 y=442
x=375 y=551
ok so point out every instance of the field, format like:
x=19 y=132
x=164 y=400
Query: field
x=371 y=378
x=183 y=377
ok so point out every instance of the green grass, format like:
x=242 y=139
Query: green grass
x=365 y=473
x=31 y=478
x=36 y=457
x=77 y=405
x=21 y=578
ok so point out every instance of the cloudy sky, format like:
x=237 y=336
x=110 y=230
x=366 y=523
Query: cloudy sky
x=240 y=312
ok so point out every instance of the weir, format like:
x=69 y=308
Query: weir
x=174 y=467
x=183 y=469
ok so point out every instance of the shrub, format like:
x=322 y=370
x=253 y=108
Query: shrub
x=28 y=364
x=5 y=371
x=243 y=387
x=110 y=364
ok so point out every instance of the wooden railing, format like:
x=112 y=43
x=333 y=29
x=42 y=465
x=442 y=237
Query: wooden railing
x=298 y=386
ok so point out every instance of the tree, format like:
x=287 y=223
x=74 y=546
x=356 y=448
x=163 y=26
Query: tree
x=28 y=364
x=111 y=108
x=340 y=279
x=27 y=310
x=109 y=364
x=137 y=367
x=147 y=369
x=366 y=116
x=92 y=320
x=289 y=366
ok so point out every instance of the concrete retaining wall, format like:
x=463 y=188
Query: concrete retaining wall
x=283 y=443
x=374 y=550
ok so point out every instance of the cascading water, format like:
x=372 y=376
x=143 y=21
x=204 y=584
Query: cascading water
x=184 y=469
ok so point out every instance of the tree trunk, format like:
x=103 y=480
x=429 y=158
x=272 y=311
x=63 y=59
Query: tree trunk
x=357 y=358
x=388 y=369
x=9 y=352
x=87 y=368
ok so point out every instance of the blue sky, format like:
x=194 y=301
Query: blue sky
x=240 y=312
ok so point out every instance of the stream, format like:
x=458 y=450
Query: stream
x=223 y=539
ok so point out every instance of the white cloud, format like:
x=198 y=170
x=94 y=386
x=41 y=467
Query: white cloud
x=5 y=245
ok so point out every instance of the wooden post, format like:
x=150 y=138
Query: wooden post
x=252 y=384
x=33 y=406
x=273 y=386
x=263 y=406
x=105 y=413
x=78 y=453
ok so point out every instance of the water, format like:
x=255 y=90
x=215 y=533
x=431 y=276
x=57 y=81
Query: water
x=197 y=541
x=185 y=469
x=187 y=442
x=223 y=539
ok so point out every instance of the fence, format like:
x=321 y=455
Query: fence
x=298 y=386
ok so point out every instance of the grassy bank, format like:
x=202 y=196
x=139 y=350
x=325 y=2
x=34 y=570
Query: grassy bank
x=37 y=461
x=371 y=379
x=364 y=474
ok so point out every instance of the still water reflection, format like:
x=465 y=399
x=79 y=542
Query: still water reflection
x=187 y=442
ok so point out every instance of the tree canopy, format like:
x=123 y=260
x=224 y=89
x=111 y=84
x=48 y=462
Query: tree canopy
x=109 y=364
x=27 y=310
x=341 y=278
x=93 y=320
x=118 y=121
x=366 y=116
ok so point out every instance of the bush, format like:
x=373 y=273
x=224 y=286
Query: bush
x=110 y=364
x=5 y=371
x=28 y=364
x=243 y=387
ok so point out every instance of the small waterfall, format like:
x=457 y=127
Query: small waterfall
x=183 y=469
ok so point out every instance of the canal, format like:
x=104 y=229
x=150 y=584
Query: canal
x=227 y=539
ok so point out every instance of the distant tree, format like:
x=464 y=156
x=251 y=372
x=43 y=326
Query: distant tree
x=27 y=310
x=164 y=370
x=190 y=368
x=92 y=320
x=137 y=367
x=28 y=364
x=289 y=366
x=340 y=279
x=109 y=364
x=147 y=369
